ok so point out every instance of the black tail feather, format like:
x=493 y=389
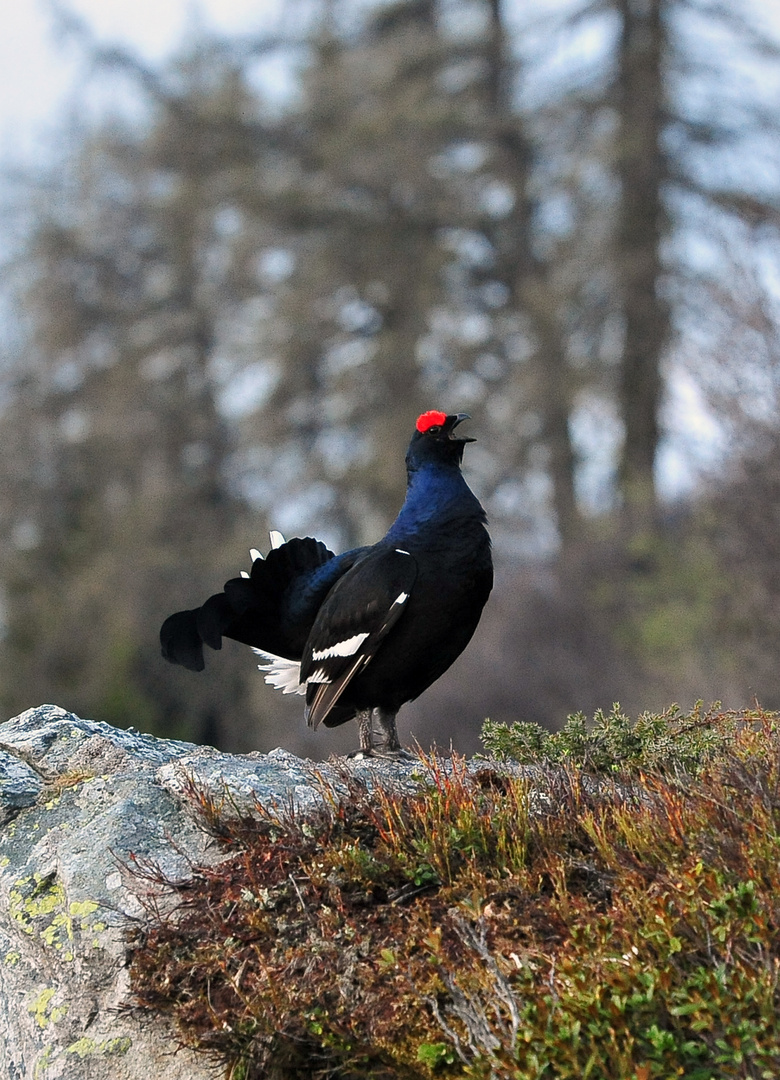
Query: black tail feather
x=181 y=642
x=213 y=618
x=253 y=610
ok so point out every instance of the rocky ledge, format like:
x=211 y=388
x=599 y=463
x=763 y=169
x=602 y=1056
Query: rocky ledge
x=81 y=805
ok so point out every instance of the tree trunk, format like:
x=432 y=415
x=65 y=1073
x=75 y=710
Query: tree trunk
x=642 y=170
x=527 y=275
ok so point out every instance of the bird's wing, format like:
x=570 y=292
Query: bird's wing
x=358 y=612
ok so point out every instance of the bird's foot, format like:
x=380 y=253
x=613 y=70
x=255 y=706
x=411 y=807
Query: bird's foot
x=379 y=737
x=382 y=754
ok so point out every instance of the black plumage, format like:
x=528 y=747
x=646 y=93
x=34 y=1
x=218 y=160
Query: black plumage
x=363 y=632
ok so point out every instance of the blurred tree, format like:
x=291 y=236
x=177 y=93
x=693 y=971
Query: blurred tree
x=689 y=124
x=118 y=481
x=234 y=307
x=354 y=235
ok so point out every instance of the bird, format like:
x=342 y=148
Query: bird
x=361 y=633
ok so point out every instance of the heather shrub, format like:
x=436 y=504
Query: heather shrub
x=600 y=911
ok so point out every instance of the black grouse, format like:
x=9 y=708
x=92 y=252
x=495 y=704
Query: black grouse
x=363 y=632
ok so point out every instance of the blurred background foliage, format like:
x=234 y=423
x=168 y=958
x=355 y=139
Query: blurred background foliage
x=230 y=300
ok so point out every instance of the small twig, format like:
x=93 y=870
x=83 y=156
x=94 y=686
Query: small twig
x=304 y=908
x=408 y=892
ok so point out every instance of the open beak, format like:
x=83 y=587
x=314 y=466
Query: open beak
x=452 y=422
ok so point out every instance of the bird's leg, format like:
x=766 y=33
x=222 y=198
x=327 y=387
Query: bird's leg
x=379 y=736
x=365 y=734
x=385 y=732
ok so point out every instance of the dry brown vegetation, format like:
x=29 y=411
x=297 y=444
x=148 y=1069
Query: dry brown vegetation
x=608 y=917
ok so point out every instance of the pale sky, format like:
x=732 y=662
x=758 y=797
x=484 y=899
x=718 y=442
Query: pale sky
x=36 y=71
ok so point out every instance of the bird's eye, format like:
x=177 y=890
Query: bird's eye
x=434 y=429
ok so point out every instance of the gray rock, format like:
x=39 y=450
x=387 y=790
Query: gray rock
x=20 y=785
x=81 y=804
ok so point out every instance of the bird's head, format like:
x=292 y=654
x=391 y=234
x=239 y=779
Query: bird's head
x=434 y=439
